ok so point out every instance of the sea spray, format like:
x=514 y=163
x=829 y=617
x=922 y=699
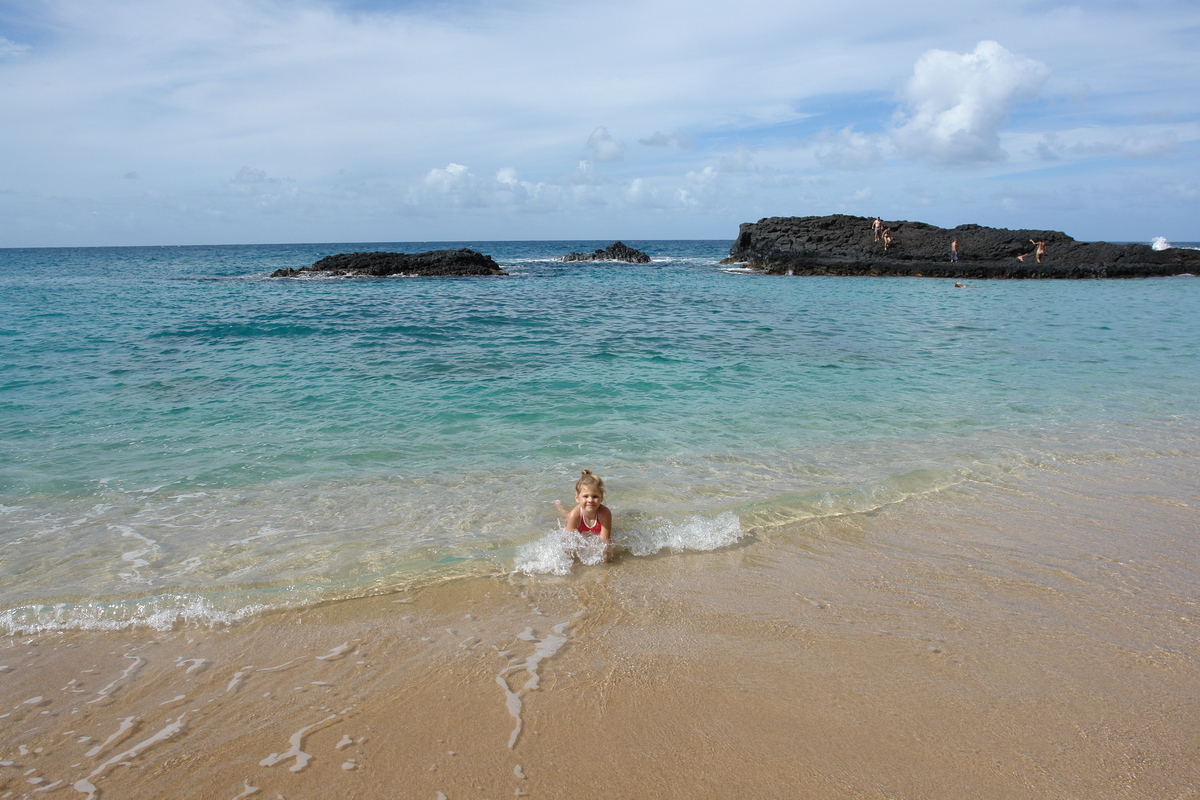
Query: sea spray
x=557 y=552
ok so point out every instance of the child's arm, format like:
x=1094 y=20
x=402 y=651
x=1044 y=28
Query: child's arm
x=572 y=521
x=604 y=517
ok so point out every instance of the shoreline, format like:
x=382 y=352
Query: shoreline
x=1029 y=637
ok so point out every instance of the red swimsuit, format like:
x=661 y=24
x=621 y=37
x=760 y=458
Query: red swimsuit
x=583 y=526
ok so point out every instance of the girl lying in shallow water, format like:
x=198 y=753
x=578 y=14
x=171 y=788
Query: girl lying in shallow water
x=590 y=516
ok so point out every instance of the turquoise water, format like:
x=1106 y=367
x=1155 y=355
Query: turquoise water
x=183 y=438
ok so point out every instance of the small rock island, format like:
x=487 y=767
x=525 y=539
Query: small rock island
x=847 y=245
x=380 y=265
x=617 y=251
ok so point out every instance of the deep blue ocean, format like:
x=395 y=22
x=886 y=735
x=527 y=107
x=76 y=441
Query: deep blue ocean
x=183 y=438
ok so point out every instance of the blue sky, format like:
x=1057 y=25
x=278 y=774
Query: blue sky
x=131 y=122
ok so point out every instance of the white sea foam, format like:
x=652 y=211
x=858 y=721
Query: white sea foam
x=166 y=733
x=107 y=691
x=335 y=653
x=195 y=663
x=1160 y=243
x=557 y=552
x=126 y=724
x=695 y=533
x=246 y=791
x=544 y=648
x=162 y=613
x=296 y=740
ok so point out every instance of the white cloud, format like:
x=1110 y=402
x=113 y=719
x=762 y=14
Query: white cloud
x=604 y=148
x=700 y=188
x=455 y=186
x=955 y=104
x=860 y=196
x=641 y=193
x=1141 y=142
x=584 y=174
x=848 y=149
x=356 y=102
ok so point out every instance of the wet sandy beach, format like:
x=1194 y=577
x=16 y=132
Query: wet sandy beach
x=1036 y=638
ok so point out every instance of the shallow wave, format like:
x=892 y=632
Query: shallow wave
x=372 y=555
x=162 y=613
x=792 y=508
x=557 y=552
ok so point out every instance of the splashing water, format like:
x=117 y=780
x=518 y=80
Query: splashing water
x=557 y=552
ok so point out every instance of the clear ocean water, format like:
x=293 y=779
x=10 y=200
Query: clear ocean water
x=185 y=440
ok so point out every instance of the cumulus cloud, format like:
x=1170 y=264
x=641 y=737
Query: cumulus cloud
x=955 y=104
x=641 y=193
x=456 y=186
x=848 y=149
x=603 y=147
x=454 y=182
x=701 y=187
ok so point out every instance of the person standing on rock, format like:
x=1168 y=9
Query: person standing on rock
x=877 y=228
x=887 y=239
x=954 y=251
x=1041 y=249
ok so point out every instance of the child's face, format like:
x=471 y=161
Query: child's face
x=589 y=497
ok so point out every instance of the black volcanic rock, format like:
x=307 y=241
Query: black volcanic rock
x=379 y=265
x=845 y=245
x=617 y=251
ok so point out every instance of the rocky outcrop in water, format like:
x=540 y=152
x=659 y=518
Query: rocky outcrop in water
x=845 y=245
x=380 y=265
x=616 y=251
